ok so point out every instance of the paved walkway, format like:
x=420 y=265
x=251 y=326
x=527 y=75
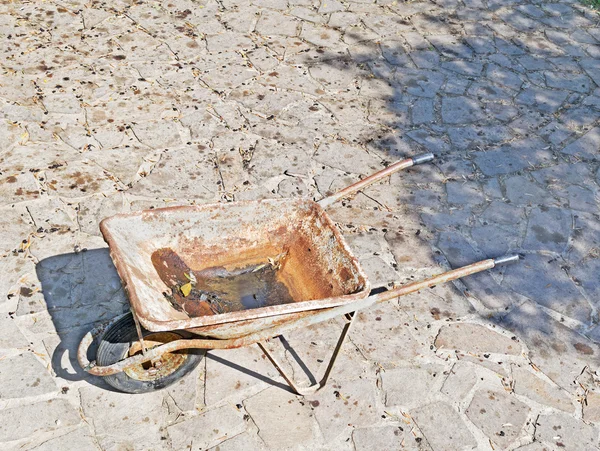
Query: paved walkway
x=118 y=106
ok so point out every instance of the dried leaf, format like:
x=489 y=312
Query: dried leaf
x=186 y=289
x=24 y=138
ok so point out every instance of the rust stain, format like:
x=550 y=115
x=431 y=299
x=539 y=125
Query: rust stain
x=216 y=289
x=582 y=348
x=161 y=367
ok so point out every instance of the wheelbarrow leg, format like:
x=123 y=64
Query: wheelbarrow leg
x=138 y=329
x=302 y=391
x=338 y=347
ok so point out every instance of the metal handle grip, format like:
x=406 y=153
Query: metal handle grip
x=423 y=158
x=506 y=260
x=419 y=159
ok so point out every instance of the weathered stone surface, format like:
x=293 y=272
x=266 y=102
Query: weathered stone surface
x=559 y=352
x=472 y=136
x=429 y=141
x=346 y=158
x=585 y=241
x=24 y=421
x=493 y=365
x=119 y=422
x=451 y=46
x=581 y=118
x=494 y=240
x=521 y=191
x=408 y=251
x=166 y=176
x=476 y=339
x=591 y=407
x=271 y=410
x=544 y=100
x=528 y=384
x=409 y=386
x=460 y=110
x=425 y=59
x=66 y=284
x=499 y=415
x=457 y=249
x=447 y=219
x=387 y=437
x=547 y=286
x=503 y=213
x=381 y=337
x=207 y=429
x=243 y=441
x=571 y=82
x=422 y=83
x=586 y=145
x=95 y=208
x=187 y=393
x=513 y=157
x=535 y=446
x=234 y=374
x=492 y=295
x=580 y=199
x=22 y=376
x=80 y=438
x=564 y=432
x=344 y=405
x=548 y=229
x=16 y=225
x=423 y=112
x=10 y=335
x=460 y=381
x=464 y=193
x=443 y=428
x=378 y=272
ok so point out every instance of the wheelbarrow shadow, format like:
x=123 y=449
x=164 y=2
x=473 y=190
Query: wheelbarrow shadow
x=81 y=290
x=249 y=372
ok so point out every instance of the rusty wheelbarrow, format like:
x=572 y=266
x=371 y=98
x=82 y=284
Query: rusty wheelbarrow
x=227 y=275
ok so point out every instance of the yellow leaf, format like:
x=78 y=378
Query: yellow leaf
x=186 y=289
x=24 y=138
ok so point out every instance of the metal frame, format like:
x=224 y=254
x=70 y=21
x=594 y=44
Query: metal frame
x=303 y=391
x=315 y=317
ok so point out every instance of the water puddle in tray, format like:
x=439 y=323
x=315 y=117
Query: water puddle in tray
x=216 y=290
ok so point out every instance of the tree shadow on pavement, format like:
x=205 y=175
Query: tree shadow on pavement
x=510 y=174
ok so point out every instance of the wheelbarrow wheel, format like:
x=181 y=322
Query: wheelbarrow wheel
x=121 y=341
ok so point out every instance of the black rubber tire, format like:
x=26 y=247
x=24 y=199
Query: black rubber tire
x=114 y=346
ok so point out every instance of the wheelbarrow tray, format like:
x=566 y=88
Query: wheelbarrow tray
x=318 y=269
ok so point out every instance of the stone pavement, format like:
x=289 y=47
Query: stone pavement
x=118 y=106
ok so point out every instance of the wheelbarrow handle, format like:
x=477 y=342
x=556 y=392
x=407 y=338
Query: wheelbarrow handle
x=419 y=159
x=264 y=334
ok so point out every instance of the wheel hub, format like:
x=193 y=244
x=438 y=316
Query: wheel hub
x=161 y=366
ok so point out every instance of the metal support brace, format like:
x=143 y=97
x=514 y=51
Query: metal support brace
x=303 y=391
x=138 y=328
